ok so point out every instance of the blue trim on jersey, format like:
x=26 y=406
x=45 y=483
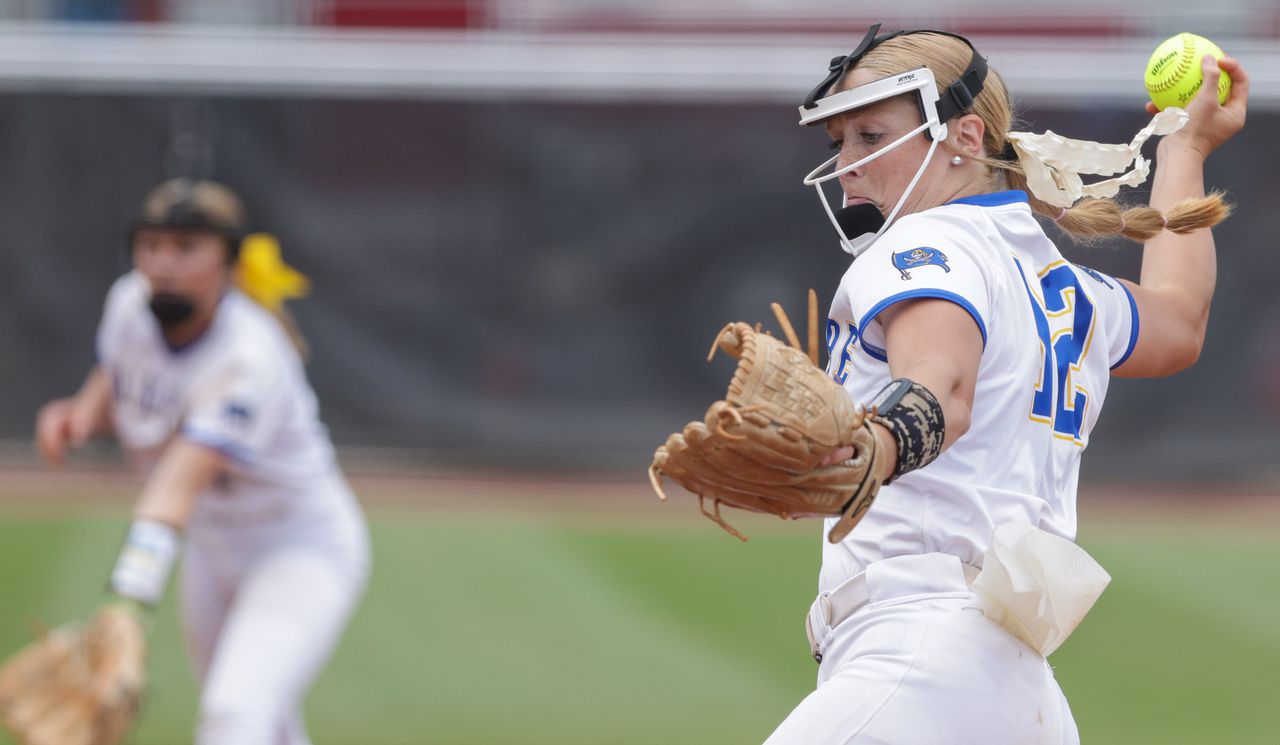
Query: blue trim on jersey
x=994 y=199
x=227 y=447
x=923 y=292
x=1133 y=328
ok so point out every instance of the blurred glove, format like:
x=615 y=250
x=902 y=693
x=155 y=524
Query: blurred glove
x=79 y=684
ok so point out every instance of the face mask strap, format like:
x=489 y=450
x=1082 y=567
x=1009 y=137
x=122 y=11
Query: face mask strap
x=959 y=96
x=841 y=65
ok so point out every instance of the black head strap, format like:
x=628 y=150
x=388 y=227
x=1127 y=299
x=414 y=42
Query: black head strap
x=956 y=98
x=840 y=65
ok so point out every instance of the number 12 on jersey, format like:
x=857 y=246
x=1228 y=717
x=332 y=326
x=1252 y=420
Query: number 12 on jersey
x=1064 y=318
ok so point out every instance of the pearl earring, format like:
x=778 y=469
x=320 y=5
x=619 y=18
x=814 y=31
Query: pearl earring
x=957 y=161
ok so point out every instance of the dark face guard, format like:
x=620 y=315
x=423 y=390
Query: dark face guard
x=860 y=225
x=171 y=309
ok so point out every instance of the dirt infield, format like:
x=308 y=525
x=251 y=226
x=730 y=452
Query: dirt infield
x=27 y=486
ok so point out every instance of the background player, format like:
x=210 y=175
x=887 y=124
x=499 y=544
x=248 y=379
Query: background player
x=958 y=291
x=206 y=392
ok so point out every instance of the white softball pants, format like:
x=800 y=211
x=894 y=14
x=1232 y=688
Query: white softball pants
x=263 y=608
x=920 y=665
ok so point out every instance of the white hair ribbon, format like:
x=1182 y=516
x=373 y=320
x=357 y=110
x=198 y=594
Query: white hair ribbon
x=1053 y=163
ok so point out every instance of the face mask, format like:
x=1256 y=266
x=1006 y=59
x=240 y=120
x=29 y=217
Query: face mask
x=171 y=310
x=860 y=225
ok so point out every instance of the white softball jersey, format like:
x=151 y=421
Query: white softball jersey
x=239 y=388
x=277 y=552
x=918 y=662
x=1051 y=330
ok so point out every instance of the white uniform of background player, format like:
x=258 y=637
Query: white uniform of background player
x=204 y=388
x=967 y=293
x=277 y=553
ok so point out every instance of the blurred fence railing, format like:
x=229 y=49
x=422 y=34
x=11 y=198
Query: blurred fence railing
x=497 y=65
x=1240 y=18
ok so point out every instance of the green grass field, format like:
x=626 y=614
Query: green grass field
x=484 y=630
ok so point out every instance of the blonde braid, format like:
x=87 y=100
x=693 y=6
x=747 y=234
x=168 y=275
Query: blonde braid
x=1092 y=219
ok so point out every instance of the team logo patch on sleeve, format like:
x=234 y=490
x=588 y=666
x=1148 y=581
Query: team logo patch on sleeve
x=918 y=257
x=237 y=413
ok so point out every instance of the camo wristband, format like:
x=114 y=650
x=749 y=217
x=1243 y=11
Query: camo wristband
x=914 y=417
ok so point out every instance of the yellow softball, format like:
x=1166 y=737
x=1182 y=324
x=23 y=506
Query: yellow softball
x=1174 y=75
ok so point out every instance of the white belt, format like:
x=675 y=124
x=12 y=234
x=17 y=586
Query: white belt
x=830 y=609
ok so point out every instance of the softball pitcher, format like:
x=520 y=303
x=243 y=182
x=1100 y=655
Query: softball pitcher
x=204 y=387
x=958 y=301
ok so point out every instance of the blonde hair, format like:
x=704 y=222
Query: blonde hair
x=1089 y=219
